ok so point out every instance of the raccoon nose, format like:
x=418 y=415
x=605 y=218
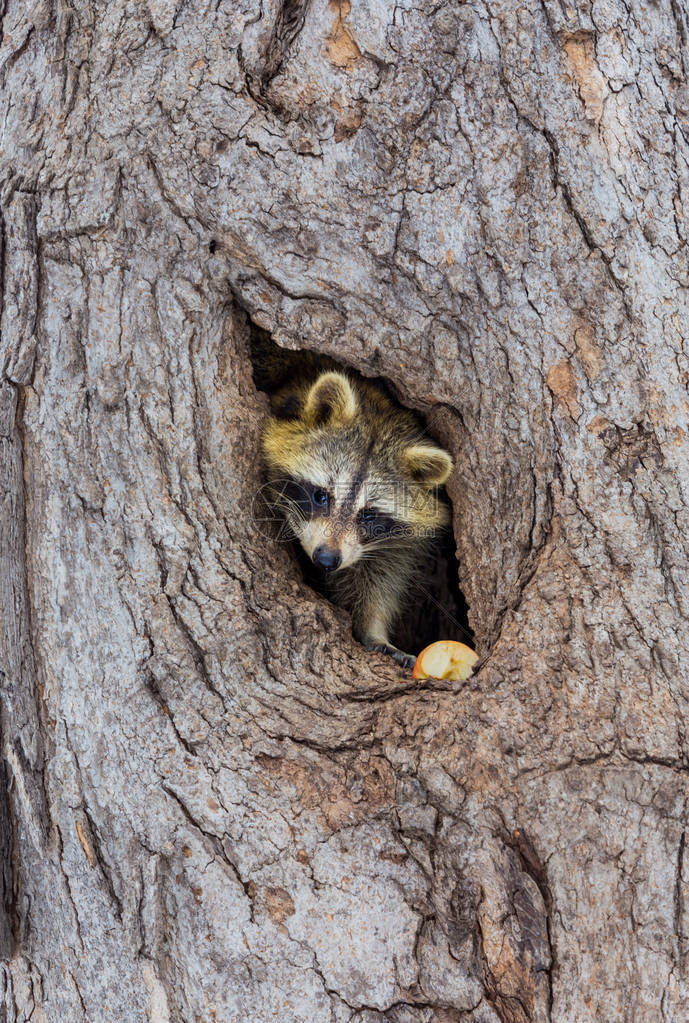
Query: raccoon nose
x=326 y=558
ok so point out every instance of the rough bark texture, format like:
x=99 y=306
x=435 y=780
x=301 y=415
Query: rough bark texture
x=220 y=808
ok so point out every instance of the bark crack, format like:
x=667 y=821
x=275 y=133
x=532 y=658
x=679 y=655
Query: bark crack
x=215 y=848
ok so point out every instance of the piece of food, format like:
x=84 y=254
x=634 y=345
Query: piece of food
x=445 y=659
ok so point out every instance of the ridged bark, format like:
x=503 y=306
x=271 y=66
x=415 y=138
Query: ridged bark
x=220 y=807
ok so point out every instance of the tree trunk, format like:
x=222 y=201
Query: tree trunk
x=220 y=807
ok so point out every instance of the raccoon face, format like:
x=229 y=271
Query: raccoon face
x=351 y=474
x=343 y=523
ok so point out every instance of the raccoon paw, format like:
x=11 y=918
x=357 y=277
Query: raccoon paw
x=405 y=660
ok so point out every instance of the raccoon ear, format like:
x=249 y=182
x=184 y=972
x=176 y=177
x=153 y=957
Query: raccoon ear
x=427 y=464
x=331 y=400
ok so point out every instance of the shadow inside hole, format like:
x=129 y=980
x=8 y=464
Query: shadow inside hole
x=436 y=609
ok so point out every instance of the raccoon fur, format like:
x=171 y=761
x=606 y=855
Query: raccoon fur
x=357 y=483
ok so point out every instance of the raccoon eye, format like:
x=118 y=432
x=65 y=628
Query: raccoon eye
x=320 y=498
x=369 y=515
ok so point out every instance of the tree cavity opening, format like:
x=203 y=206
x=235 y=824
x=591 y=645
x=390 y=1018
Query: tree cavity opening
x=437 y=608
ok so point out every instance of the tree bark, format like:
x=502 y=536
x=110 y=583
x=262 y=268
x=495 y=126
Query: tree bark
x=219 y=806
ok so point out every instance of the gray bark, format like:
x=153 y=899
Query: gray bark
x=220 y=807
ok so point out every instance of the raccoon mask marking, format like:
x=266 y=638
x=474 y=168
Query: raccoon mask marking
x=357 y=484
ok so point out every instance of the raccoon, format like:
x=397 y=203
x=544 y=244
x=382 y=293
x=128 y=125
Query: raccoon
x=357 y=483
